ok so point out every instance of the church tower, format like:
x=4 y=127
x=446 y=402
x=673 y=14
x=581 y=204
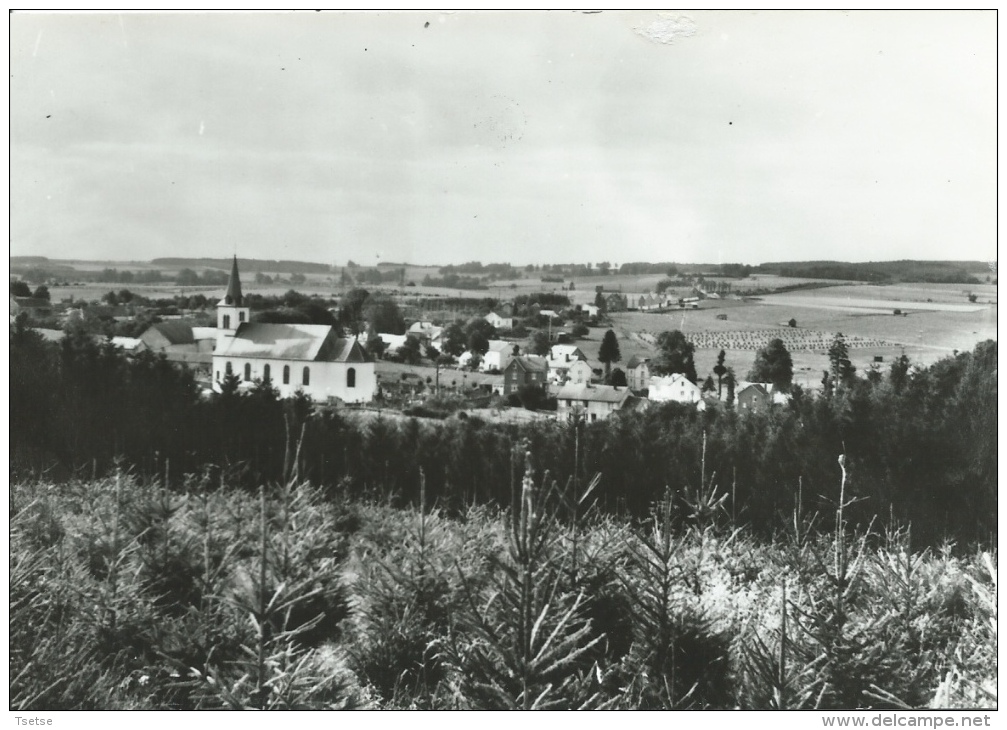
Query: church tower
x=231 y=312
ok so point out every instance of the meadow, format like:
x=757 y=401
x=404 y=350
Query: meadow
x=925 y=333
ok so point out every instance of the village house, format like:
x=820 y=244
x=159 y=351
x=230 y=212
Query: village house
x=638 y=372
x=758 y=399
x=309 y=358
x=500 y=323
x=525 y=370
x=392 y=342
x=420 y=328
x=182 y=343
x=560 y=359
x=498 y=355
x=580 y=372
x=752 y=398
x=35 y=308
x=129 y=345
x=594 y=402
x=426 y=332
x=616 y=302
x=675 y=387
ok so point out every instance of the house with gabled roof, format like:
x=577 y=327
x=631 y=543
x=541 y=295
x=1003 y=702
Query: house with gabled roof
x=34 y=307
x=309 y=358
x=758 y=397
x=594 y=402
x=525 y=370
x=498 y=355
x=499 y=322
x=561 y=357
x=181 y=343
x=752 y=398
x=675 y=387
x=580 y=371
x=638 y=372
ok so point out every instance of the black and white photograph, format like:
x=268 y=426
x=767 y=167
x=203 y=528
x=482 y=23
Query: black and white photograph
x=504 y=360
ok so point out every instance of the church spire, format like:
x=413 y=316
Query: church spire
x=233 y=295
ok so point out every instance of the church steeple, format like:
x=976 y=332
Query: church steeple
x=231 y=312
x=232 y=297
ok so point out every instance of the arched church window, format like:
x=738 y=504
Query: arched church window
x=248 y=371
x=351 y=378
x=227 y=321
x=265 y=373
x=306 y=380
x=286 y=375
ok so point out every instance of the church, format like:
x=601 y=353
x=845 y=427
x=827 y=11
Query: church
x=310 y=358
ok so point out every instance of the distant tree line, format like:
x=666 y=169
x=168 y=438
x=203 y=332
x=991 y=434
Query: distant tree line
x=493 y=271
x=877 y=272
x=143 y=276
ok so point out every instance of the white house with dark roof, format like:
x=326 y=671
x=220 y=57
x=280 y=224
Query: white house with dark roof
x=500 y=323
x=675 y=387
x=310 y=358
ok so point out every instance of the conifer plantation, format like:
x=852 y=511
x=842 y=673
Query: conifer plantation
x=174 y=552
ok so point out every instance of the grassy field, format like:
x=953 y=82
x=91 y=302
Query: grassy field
x=925 y=335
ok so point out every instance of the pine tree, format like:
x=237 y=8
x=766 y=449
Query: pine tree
x=608 y=353
x=731 y=382
x=720 y=370
x=841 y=369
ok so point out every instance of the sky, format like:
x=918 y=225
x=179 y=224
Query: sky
x=519 y=137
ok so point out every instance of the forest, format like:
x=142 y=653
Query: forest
x=169 y=551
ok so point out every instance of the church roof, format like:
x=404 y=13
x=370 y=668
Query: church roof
x=232 y=297
x=314 y=342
